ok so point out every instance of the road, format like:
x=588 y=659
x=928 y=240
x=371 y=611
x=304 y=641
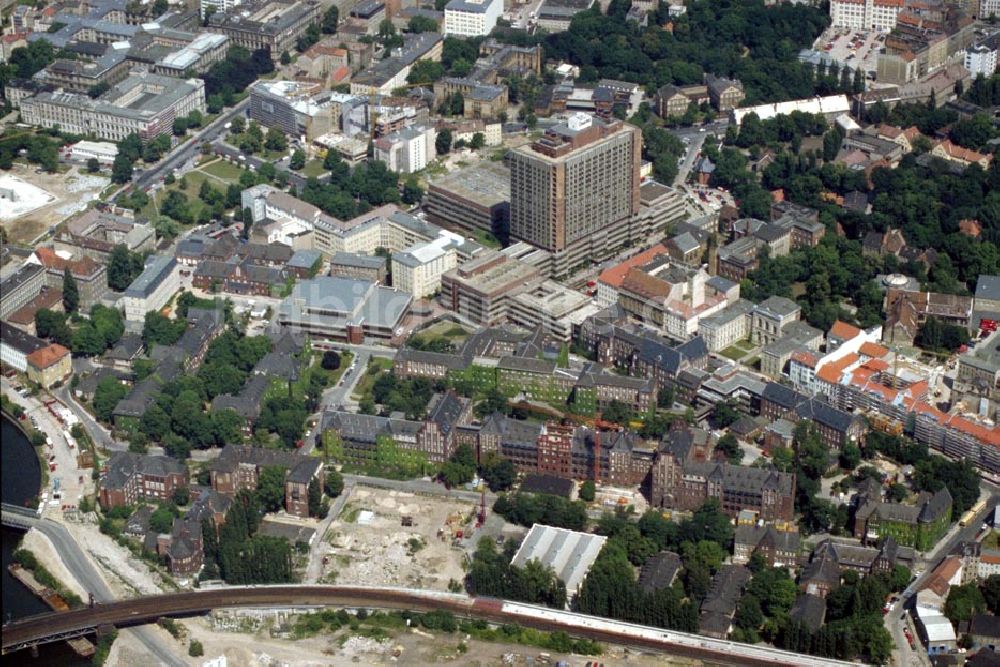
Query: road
x=189 y=149
x=84 y=572
x=340 y=395
x=144 y=610
x=896 y=619
x=100 y=435
x=58 y=452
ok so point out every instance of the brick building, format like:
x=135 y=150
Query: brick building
x=128 y=478
x=238 y=467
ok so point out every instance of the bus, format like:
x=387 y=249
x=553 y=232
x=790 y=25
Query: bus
x=968 y=517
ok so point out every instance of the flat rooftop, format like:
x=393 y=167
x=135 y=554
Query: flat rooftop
x=486 y=184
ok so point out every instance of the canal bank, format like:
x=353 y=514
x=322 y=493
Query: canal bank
x=20 y=482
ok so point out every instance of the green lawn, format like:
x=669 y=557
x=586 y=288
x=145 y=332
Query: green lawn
x=313 y=168
x=376 y=366
x=733 y=352
x=223 y=170
x=483 y=237
x=744 y=345
x=194 y=179
x=218 y=174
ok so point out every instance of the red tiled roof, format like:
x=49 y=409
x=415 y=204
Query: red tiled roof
x=943 y=574
x=831 y=372
x=85 y=266
x=47 y=355
x=874 y=350
x=844 y=331
x=615 y=276
x=877 y=365
x=804 y=358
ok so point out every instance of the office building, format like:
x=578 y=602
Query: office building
x=20 y=287
x=481 y=289
x=878 y=15
x=471 y=18
x=144 y=104
x=575 y=190
x=274 y=25
x=152 y=289
x=472 y=199
x=418 y=269
x=343 y=309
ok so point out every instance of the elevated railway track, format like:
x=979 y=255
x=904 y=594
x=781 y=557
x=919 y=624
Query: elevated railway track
x=44 y=628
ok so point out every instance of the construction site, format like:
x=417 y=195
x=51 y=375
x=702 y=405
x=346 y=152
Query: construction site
x=397 y=538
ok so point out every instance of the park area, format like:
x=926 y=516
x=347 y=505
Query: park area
x=395 y=538
x=216 y=172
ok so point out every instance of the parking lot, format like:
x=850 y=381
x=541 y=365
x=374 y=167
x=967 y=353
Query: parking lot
x=850 y=47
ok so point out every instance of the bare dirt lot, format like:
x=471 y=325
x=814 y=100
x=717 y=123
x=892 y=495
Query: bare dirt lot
x=407 y=647
x=72 y=190
x=378 y=550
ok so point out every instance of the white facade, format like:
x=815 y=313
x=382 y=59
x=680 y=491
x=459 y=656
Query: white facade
x=471 y=18
x=406 y=151
x=217 y=6
x=152 y=289
x=104 y=151
x=830 y=106
x=988 y=8
x=144 y=104
x=865 y=14
x=981 y=60
x=13 y=357
x=418 y=270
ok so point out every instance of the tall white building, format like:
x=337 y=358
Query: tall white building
x=865 y=14
x=418 y=269
x=407 y=150
x=988 y=8
x=471 y=18
x=981 y=59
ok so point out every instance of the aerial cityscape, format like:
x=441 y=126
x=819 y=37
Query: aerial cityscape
x=538 y=332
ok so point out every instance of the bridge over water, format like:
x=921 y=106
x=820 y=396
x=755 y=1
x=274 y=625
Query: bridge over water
x=14 y=516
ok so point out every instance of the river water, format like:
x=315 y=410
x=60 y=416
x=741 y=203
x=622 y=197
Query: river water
x=20 y=478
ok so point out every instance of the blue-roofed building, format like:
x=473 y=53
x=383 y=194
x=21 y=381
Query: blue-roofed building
x=152 y=289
